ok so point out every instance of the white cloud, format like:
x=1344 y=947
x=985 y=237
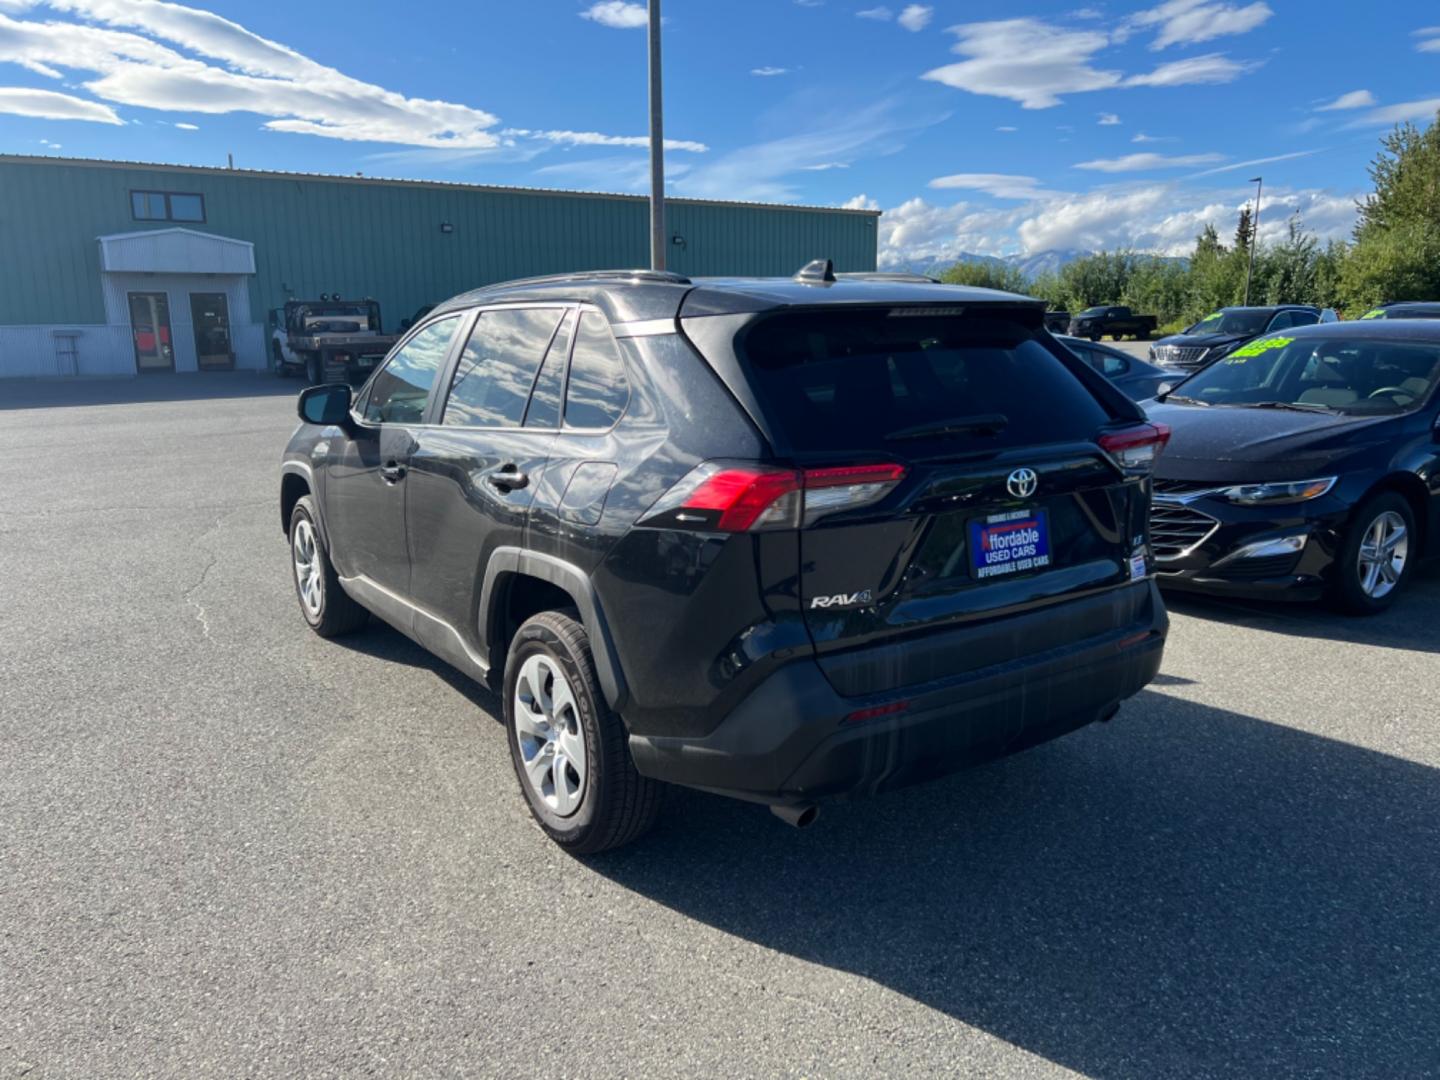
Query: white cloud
x=158 y=55
x=1147 y=162
x=49 y=105
x=769 y=72
x=1108 y=119
x=594 y=138
x=1404 y=112
x=1034 y=63
x=860 y=202
x=1141 y=137
x=188 y=127
x=1025 y=60
x=1429 y=39
x=880 y=14
x=1262 y=161
x=826 y=166
x=1356 y=99
x=616 y=14
x=1159 y=218
x=1210 y=68
x=916 y=17
x=767 y=170
x=998 y=185
x=1188 y=22
x=1007 y=128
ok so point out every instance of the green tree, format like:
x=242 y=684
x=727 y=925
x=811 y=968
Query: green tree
x=1245 y=231
x=987 y=275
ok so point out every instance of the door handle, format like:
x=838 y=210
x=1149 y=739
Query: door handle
x=392 y=472
x=507 y=478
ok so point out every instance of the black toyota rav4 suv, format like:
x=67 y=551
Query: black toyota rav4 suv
x=783 y=539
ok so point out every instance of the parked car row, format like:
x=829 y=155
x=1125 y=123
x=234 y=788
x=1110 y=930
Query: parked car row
x=1219 y=334
x=791 y=539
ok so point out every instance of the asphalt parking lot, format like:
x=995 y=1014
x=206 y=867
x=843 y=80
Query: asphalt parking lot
x=229 y=848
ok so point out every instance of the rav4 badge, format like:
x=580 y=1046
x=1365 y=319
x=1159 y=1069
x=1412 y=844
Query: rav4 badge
x=841 y=600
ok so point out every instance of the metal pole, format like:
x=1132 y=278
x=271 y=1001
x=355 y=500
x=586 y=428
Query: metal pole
x=657 y=146
x=1259 y=181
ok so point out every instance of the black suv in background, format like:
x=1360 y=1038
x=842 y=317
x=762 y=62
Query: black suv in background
x=1404 y=309
x=1226 y=330
x=780 y=539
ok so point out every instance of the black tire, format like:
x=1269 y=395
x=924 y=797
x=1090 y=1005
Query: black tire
x=314 y=370
x=616 y=804
x=1347 y=590
x=336 y=612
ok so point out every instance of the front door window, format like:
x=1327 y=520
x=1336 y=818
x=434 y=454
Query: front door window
x=150 y=329
x=210 y=314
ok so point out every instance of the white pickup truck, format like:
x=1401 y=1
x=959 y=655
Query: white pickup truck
x=328 y=340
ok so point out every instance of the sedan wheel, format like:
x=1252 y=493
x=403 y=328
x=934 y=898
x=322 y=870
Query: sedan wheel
x=1383 y=555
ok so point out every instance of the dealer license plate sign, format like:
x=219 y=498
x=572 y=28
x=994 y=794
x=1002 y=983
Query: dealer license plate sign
x=1010 y=543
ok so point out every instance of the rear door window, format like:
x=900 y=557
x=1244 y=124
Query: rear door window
x=544 y=411
x=497 y=369
x=864 y=380
x=598 y=391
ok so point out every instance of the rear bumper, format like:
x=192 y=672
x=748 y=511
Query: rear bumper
x=790 y=741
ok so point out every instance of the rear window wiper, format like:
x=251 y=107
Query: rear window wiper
x=986 y=424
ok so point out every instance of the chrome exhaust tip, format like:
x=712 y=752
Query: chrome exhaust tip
x=801 y=816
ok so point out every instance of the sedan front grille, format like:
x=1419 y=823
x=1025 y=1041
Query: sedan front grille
x=1175 y=530
x=1184 y=356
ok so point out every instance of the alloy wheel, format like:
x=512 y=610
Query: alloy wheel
x=1383 y=554
x=547 y=727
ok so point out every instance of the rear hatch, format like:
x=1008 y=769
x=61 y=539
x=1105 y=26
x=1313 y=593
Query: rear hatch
x=1004 y=504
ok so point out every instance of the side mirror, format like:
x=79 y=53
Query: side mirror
x=325 y=405
x=1163 y=391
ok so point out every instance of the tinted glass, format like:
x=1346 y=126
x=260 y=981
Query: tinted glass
x=1232 y=321
x=397 y=396
x=545 y=399
x=1108 y=363
x=852 y=381
x=598 y=391
x=187 y=208
x=147 y=205
x=493 y=379
x=1346 y=375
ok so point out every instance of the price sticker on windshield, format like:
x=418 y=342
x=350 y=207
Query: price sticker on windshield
x=1255 y=348
x=1377 y=313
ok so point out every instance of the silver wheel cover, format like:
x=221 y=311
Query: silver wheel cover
x=308 y=577
x=547 y=730
x=1383 y=553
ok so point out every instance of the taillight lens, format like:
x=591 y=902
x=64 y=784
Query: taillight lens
x=1135 y=449
x=737 y=497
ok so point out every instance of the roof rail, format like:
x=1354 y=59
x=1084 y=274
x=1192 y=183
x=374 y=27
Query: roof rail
x=657 y=276
x=882 y=275
x=817 y=272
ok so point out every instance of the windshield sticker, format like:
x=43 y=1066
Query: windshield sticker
x=1377 y=313
x=1255 y=348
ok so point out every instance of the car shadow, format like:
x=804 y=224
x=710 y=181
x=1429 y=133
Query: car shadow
x=1409 y=624
x=1185 y=891
x=384 y=642
x=138 y=389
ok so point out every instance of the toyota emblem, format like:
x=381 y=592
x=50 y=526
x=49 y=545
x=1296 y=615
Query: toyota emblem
x=1022 y=483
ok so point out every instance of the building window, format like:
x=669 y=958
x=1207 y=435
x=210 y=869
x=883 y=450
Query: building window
x=167 y=206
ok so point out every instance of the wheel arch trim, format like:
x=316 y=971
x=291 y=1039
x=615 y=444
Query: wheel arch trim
x=575 y=583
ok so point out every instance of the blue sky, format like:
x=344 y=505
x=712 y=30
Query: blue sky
x=1055 y=126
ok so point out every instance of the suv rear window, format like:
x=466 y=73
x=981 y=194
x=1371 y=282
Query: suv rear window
x=841 y=381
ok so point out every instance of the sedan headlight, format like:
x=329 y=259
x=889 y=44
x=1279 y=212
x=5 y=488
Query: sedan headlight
x=1278 y=494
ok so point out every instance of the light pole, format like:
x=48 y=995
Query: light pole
x=657 y=145
x=1259 y=182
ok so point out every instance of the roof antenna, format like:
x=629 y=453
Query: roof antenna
x=819 y=272
x=230 y=161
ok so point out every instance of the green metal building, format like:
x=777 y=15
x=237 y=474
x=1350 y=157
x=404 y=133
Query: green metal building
x=106 y=267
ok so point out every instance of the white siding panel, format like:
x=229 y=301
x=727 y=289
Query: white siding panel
x=37 y=351
x=176 y=251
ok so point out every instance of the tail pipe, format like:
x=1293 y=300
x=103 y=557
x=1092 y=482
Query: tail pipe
x=801 y=815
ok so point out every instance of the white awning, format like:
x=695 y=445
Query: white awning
x=175 y=251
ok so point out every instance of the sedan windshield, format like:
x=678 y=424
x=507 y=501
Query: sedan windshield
x=1232 y=322
x=1347 y=375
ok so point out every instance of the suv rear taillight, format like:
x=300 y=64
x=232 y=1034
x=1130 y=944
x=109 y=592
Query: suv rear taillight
x=736 y=497
x=1134 y=449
